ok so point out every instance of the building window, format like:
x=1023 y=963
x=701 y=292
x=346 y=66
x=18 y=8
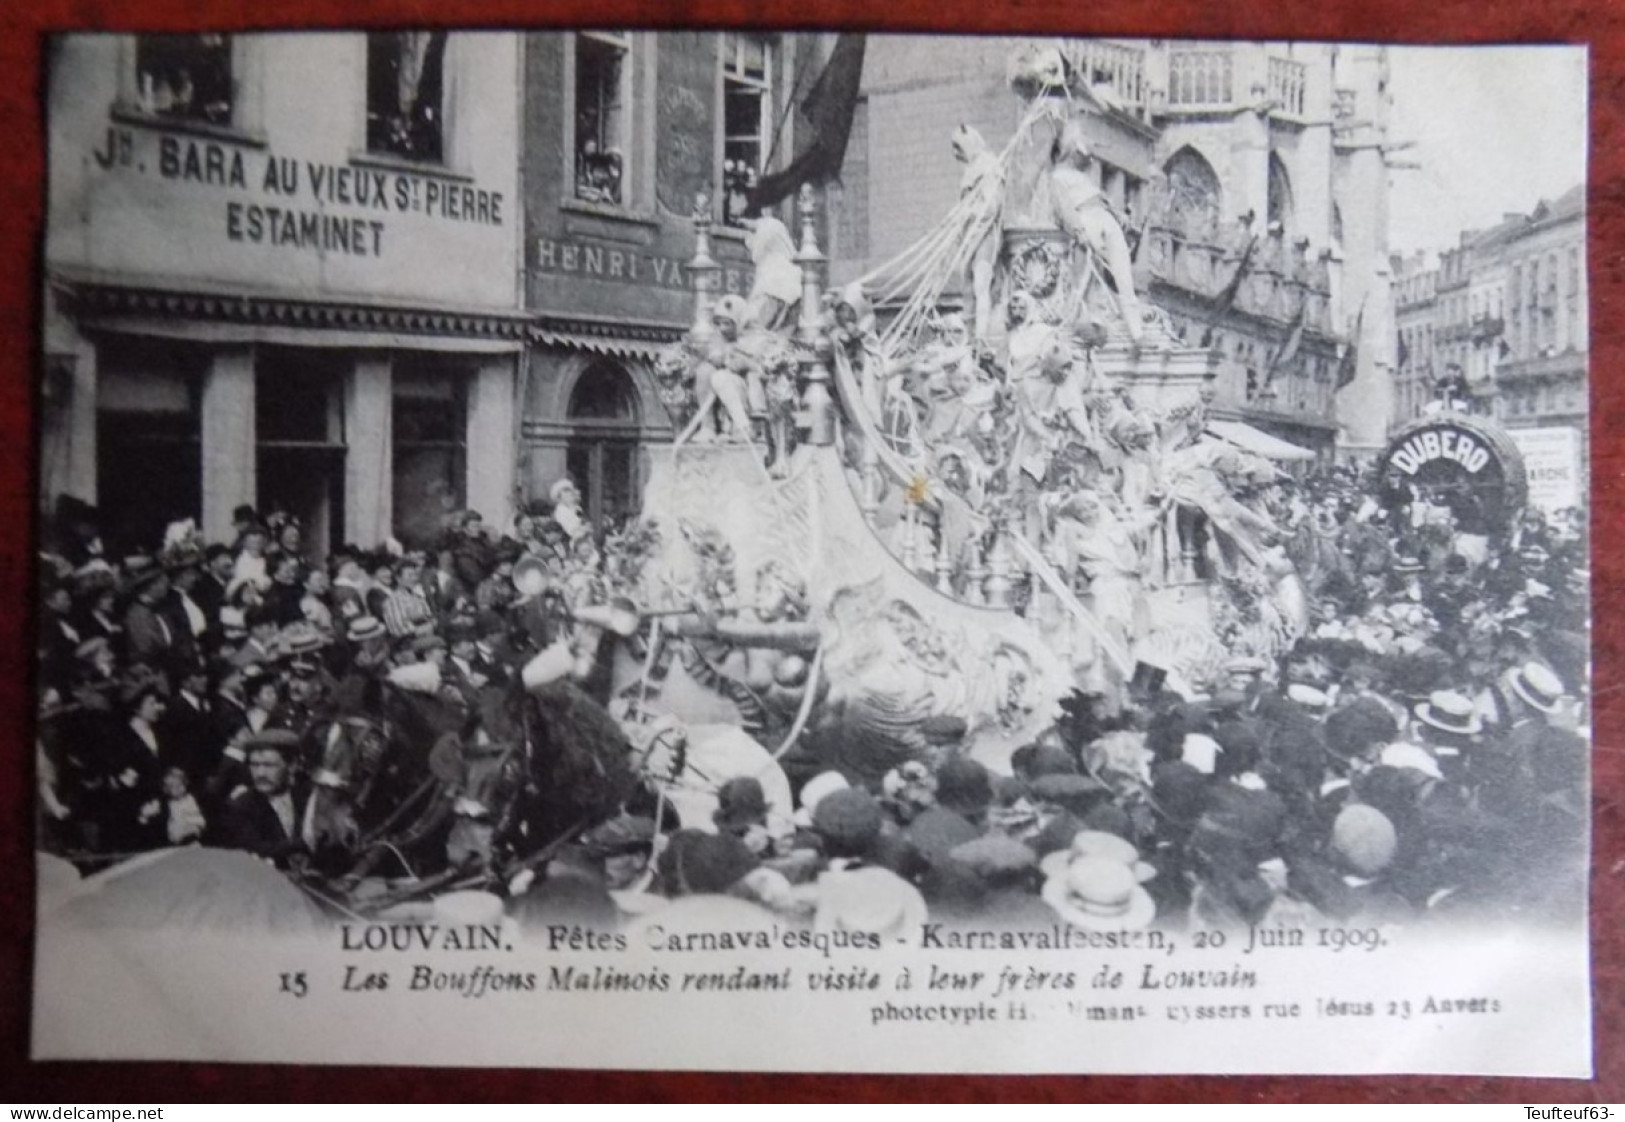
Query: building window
x=1200 y=77
x=603 y=115
x=747 y=118
x=1194 y=194
x=429 y=431
x=406 y=83
x=149 y=449
x=1279 y=191
x=187 y=77
x=299 y=439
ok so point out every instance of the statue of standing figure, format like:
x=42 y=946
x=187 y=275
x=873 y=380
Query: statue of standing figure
x=776 y=287
x=981 y=186
x=725 y=379
x=1084 y=213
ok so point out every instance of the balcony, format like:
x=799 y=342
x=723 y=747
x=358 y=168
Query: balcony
x=1278 y=281
x=1120 y=67
x=1549 y=365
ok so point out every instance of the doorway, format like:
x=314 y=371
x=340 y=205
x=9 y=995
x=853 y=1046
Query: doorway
x=602 y=452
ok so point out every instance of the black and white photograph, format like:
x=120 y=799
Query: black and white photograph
x=896 y=552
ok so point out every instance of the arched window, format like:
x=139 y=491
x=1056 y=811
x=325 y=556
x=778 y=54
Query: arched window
x=602 y=454
x=1280 y=194
x=604 y=393
x=1194 y=194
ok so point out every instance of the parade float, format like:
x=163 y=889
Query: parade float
x=1451 y=462
x=912 y=515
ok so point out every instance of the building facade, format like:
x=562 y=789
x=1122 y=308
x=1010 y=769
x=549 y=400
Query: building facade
x=283 y=271
x=1540 y=376
x=1416 y=280
x=1506 y=309
x=1265 y=160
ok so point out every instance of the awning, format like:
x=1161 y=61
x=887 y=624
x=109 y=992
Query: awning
x=616 y=346
x=1258 y=442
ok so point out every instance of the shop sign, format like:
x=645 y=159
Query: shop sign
x=1446 y=442
x=620 y=265
x=271 y=198
x=1551 y=458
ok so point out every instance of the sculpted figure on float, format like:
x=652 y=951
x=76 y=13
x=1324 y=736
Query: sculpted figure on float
x=1084 y=213
x=1038 y=76
x=724 y=378
x=1054 y=415
x=779 y=399
x=1205 y=477
x=776 y=286
x=898 y=689
x=1088 y=538
x=677 y=379
x=981 y=187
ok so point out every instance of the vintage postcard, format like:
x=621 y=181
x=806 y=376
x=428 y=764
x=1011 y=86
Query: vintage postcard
x=878 y=553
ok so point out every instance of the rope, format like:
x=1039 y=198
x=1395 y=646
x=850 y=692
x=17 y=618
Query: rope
x=805 y=711
x=933 y=260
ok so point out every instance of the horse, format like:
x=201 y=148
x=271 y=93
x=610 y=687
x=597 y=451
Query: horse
x=533 y=766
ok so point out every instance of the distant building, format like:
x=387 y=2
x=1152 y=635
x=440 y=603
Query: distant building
x=1507 y=315
x=282 y=271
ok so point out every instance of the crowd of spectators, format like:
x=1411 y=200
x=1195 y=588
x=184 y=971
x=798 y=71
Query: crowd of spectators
x=1422 y=751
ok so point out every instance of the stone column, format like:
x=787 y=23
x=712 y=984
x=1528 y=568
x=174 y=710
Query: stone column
x=78 y=462
x=703 y=270
x=369 y=481
x=230 y=457
x=490 y=441
x=817 y=406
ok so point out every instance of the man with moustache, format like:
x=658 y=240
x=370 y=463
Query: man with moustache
x=266 y=818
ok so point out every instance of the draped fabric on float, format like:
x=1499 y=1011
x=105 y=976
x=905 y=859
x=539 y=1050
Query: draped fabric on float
x=829 y=106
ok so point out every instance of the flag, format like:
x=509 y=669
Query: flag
x=1349 y=365
x=1227 y=295
x=1294 y=342
x=829 y=107
x=1404 y=352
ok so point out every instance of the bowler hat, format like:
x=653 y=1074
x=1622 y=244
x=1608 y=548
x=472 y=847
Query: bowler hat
x=963 y=785
x=849 y=821
x=740 y=803
x=698 y=863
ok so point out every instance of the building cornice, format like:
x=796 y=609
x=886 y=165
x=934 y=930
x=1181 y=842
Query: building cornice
x=92 y=297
